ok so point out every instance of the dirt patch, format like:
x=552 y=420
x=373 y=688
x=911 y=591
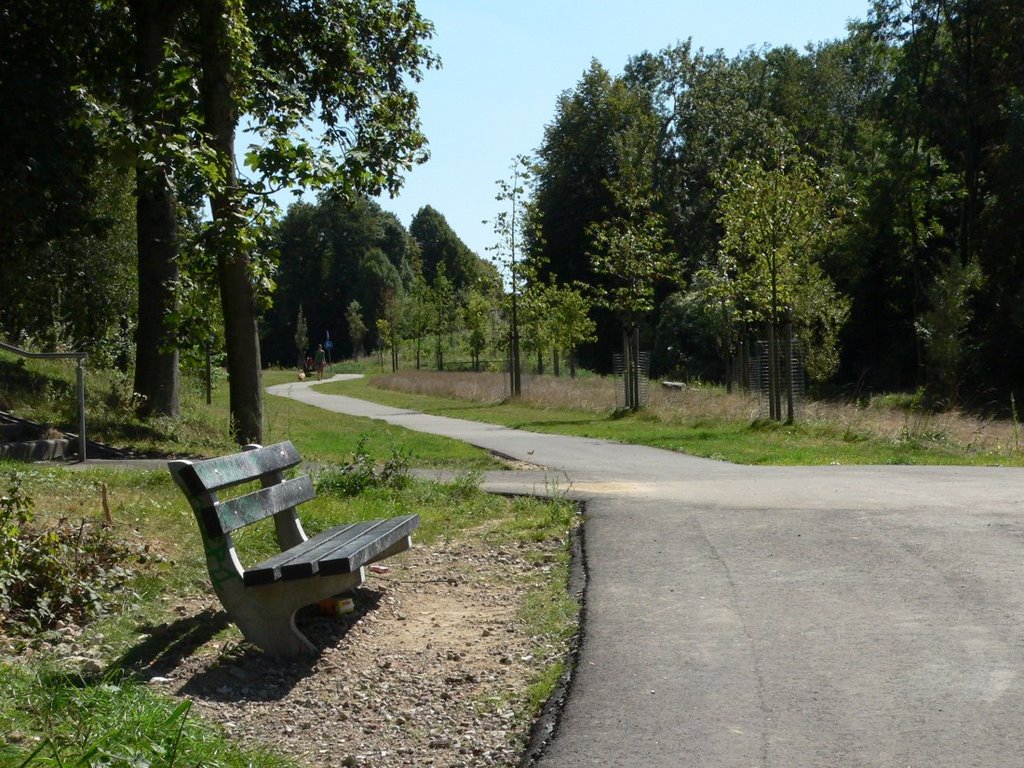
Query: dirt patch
x=430 y=670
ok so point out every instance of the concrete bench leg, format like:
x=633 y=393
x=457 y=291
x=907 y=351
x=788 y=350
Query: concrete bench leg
x=266 y=614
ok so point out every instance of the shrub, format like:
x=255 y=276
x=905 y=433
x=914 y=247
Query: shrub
x=58 y=573
x=361 y=473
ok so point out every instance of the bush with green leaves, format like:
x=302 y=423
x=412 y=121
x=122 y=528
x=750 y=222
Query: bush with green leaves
x=61 y=572
x=362 y=473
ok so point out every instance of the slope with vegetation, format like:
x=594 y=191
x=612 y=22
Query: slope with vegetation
x=113 y=649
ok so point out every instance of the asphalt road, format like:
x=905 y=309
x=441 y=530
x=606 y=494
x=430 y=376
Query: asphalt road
x=789 y=617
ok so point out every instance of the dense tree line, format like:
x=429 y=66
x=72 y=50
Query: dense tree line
x=153 y=92
x=342 y=250
x=866 y=192
x=909 y=132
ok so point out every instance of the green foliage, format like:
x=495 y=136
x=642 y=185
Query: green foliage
x=694 y=335
x=629 y=252
x=111 y=722
x=356 y=326
x=60 y=573
x=67 y=228
x=362 y=473
x=476 y=316
x=943 y=326
x=301 y=338
x=332 y=253
x=444 y=309
x=439 y=244
x=776 y=222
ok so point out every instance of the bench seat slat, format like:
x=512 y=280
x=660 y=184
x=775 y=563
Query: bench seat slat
x=232 y=514
x=370 y=544
x=338 y=550
x=225 y=471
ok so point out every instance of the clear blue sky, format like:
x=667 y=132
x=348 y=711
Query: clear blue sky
x=506 y=61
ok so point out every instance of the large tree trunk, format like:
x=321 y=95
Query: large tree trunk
x=241 y=334
x=156 y=353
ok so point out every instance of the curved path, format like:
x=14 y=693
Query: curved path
x=785 y=617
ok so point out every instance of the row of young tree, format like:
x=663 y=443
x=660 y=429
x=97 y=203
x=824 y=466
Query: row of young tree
x=350 y=273
x=871 y=188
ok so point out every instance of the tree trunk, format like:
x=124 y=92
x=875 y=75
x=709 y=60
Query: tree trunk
x=630 y=365
x=156 y=355
x=635 y=369
x=788 y=362
x=515 y=374
x=237 y=295
x=773 y=374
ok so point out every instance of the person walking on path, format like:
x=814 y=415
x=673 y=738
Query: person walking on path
x=321 y=358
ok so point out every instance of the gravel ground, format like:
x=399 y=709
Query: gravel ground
x=430 y=670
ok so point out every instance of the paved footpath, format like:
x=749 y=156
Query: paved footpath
x=789 y=617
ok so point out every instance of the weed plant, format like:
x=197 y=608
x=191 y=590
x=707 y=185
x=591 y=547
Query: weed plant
x=61 y=572
x=362 y=472
x=49 y=719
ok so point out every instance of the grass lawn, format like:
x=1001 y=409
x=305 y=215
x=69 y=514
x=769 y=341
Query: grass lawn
x=322 y=436
x=733 y=438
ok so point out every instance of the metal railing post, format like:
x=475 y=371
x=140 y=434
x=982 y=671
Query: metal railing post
x=80 y=359
x=81 y=409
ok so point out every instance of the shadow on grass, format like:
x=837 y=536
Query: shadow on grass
x=461 y=408
x=167 y=645
x=543 y=423
x=18 y=378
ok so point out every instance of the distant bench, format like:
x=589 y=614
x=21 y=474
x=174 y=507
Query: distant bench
x=262 y=600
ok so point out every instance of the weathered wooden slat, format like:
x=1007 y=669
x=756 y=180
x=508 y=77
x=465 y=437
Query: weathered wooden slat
x=335 y=547
x=230 y=515
x=300 y=561
x=339 y=550
x=368 y=544
x=225 y=471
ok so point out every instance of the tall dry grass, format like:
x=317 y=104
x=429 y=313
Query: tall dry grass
x=709 y=404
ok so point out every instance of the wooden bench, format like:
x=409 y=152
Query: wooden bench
x=262 y=599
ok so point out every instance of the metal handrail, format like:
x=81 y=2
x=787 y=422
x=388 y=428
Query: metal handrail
x=80 y=357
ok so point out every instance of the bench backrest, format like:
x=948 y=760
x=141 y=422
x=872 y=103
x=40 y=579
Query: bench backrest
x=201 y=480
